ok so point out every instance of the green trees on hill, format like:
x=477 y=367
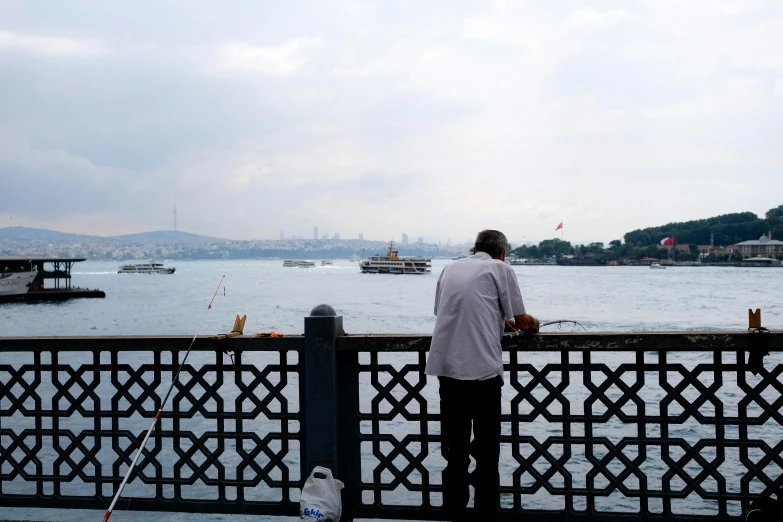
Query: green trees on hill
x=727 y=229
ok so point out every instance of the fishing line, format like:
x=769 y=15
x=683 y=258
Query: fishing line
x=160 y=410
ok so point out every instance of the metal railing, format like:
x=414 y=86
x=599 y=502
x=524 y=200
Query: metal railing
x=648 y=425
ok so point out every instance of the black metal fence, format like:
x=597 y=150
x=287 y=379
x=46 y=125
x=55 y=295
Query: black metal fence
x=661 y=425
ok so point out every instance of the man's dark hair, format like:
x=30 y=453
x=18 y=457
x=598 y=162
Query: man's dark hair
x=492 y=242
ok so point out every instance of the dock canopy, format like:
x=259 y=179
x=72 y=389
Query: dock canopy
x=61 y=269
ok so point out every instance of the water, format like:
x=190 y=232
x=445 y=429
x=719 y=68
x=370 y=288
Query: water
x=278 y=298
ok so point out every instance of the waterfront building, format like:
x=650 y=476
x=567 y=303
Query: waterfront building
x=763 y=246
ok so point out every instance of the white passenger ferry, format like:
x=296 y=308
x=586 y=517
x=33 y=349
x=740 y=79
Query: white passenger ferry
x=327 y=262
x=391 y=263
x=146 y=268
x=290 y=263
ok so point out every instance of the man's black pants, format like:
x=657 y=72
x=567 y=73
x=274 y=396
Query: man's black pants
x=463 y=403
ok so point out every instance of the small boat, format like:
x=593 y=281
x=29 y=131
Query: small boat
x=305 y=264
x=146 y=268
x=355 y=258
x=657 y=266
x=517 y=262
x=289 y=263
x=327 y=262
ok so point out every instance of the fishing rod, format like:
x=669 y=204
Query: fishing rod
x=559 y=323
x=160 y=410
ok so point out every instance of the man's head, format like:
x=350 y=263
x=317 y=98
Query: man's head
x=492 y=242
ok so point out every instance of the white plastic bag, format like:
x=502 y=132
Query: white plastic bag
x=321 y=499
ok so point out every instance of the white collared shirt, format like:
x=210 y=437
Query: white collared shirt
x=473 y=298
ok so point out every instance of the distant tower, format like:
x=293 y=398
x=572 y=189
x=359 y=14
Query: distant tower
x=175 y=218
x=361 y=237
x=404 y=238
x=315 y=233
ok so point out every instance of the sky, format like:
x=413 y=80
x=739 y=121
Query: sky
x=436 y=118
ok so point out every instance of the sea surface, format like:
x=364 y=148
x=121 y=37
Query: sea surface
x=276 y=298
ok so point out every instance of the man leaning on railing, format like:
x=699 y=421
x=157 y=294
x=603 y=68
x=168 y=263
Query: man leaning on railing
x=475 y=300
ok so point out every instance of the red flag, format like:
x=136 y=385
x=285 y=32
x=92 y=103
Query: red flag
x=559 y=226
x=667 y=241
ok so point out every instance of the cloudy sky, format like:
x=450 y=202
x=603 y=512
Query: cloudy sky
x=431 y=118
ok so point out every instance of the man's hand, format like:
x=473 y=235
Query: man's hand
x=527 y=323
x=510 y=326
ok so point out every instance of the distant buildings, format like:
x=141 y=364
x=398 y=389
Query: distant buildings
x=282 y=236
x=361 y=237
x=420 y=240
x=315 y=233
x=404 y=238
x=336 y=236
x=763 y=246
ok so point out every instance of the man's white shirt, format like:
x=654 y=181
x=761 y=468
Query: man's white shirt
x=473 y=298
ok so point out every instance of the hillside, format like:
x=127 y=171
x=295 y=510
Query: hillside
x=728 y=229
x=41 y=235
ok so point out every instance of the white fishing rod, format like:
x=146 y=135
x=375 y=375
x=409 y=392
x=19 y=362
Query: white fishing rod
x=160 y=410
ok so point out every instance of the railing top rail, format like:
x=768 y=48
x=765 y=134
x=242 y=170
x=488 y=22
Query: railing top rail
x=594 y=342
x=555 y=342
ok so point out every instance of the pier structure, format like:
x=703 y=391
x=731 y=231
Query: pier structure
x=52 y=284
x=600 y=427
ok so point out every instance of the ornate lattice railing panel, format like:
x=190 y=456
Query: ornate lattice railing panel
x=595 y=424
x=591 y=428
x=229 y=440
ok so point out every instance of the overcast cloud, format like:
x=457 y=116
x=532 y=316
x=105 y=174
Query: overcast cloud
x=432 y=118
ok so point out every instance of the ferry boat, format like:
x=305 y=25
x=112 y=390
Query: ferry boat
x=146 y=268
x=391 y=263
x=355 y=258
x=327 y=262
x=14 y=285
x=290 y=263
